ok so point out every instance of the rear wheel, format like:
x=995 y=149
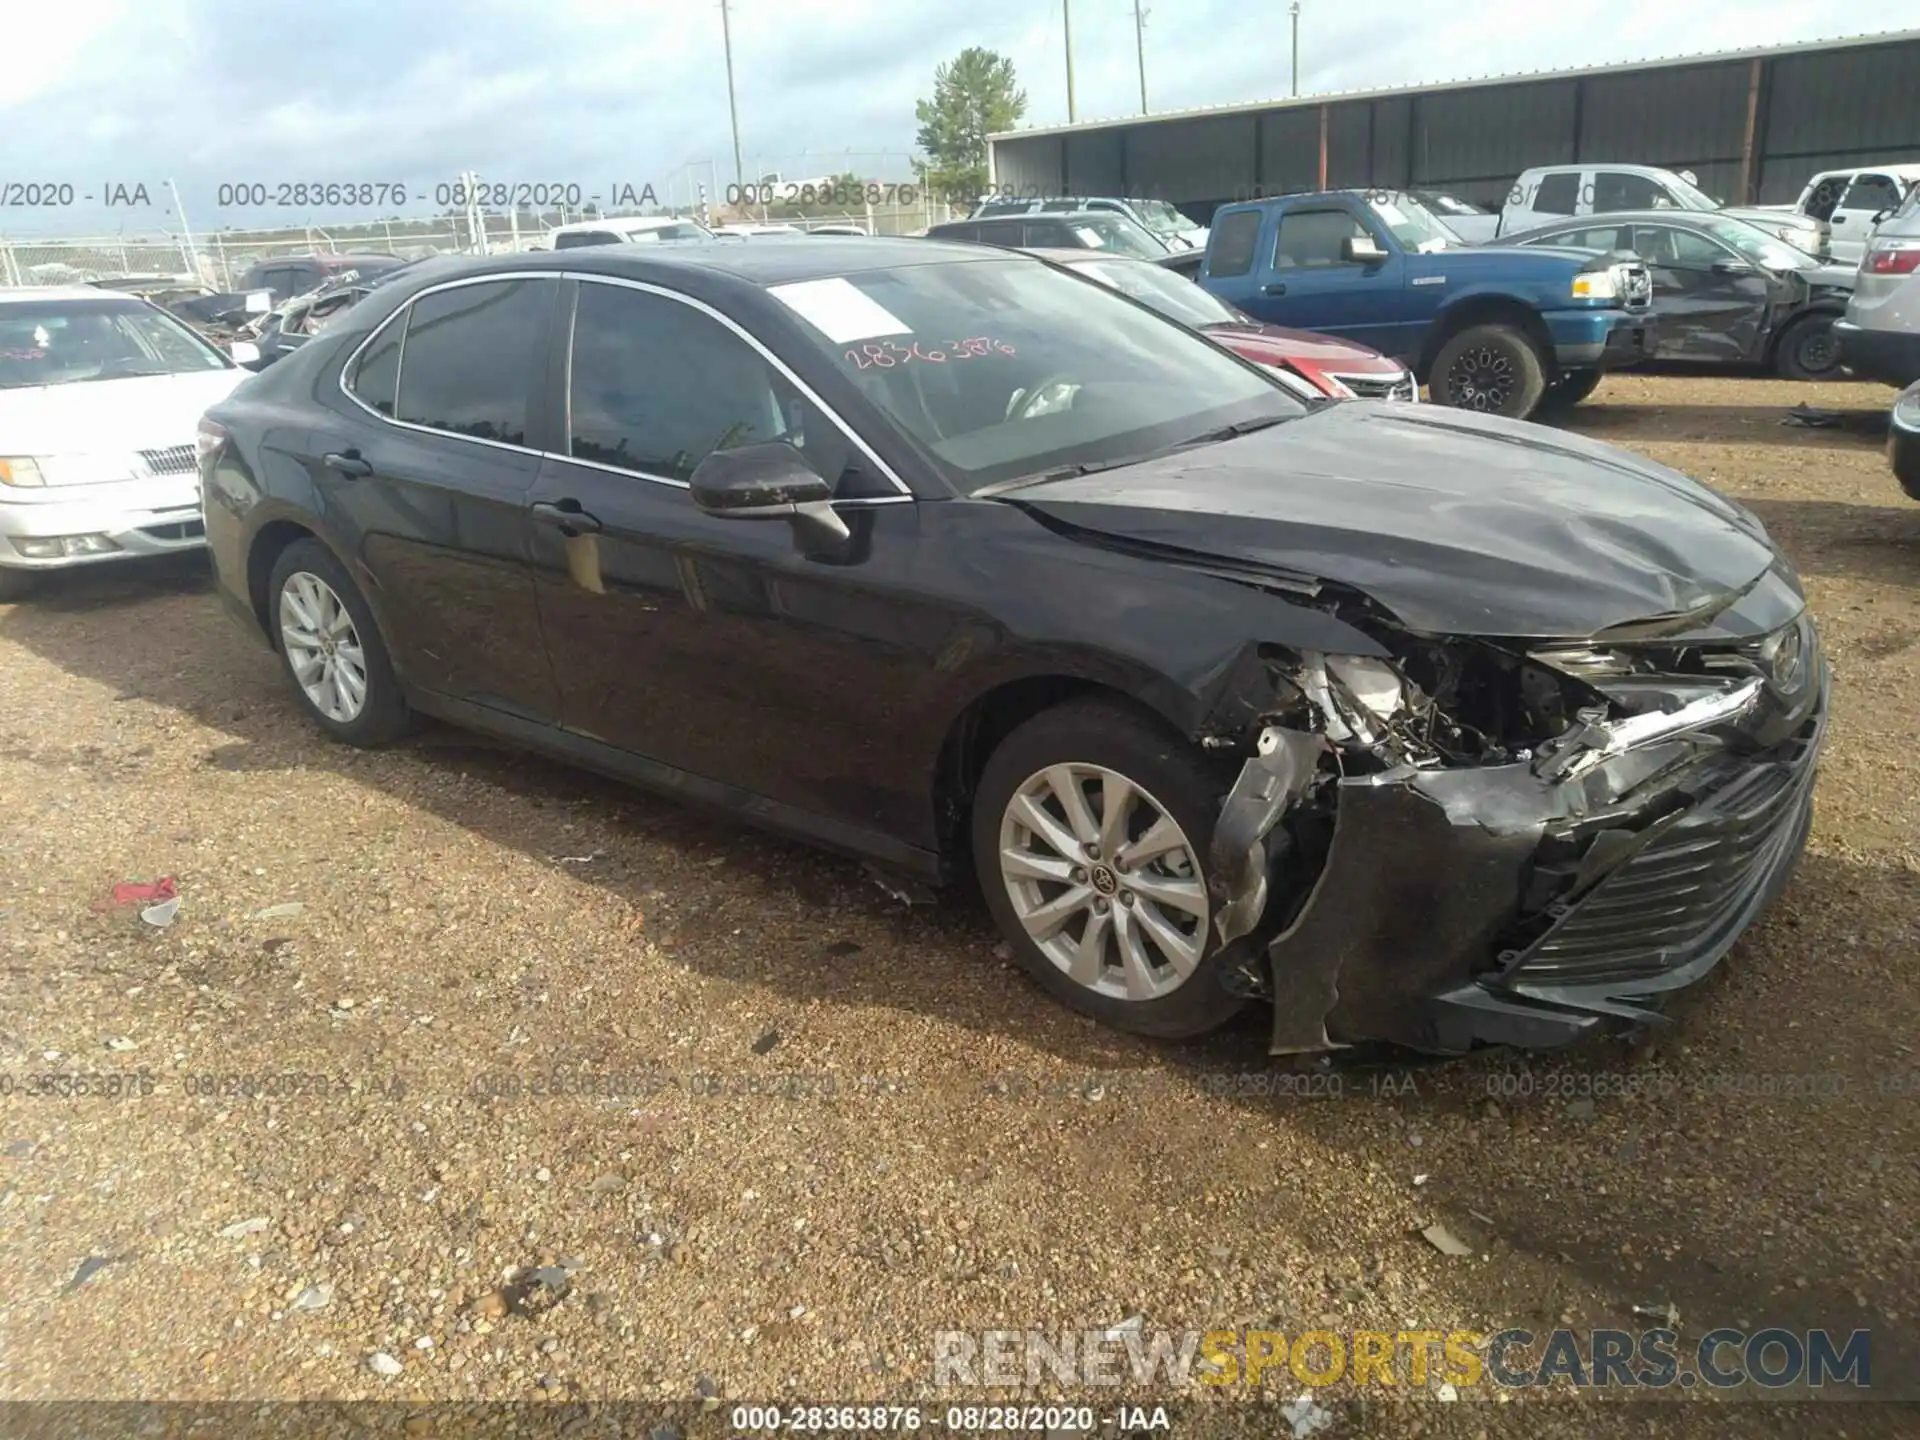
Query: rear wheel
x=1808 y=350
x=1090 y=831
x=332 y=648
x=1490 y=368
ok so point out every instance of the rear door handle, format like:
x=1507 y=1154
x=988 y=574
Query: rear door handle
x=566 y=516
x=1279 y=287
x=348 y=463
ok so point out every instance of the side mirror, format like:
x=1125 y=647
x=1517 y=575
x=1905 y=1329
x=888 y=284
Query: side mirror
x=1361 y=250
x=1732 y=267
x=245 y=354
x=767 y=482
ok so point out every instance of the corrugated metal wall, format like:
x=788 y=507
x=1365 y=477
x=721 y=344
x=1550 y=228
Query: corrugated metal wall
x=1814 y=111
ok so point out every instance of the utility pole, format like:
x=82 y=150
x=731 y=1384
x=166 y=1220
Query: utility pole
x=1140 y=50
x=1066 y=20
x=1295 y=12
x=733 y=110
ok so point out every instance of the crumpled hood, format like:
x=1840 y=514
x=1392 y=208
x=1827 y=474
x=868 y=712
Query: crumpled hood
x=1459 y=524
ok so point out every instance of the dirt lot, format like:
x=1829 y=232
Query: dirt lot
x=847 y=1124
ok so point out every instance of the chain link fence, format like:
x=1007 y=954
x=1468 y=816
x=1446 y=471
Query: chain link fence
x=218 y=259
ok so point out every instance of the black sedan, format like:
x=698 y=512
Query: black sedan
x=1725 y=291
x=1423 y=726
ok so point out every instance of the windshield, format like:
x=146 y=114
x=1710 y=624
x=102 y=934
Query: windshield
x=60 y=342
x=1116 y=233
x=1161 y=217
x=999 y=369
x=1159 y=289
x=1412 y=223
x=1757 y=245
x=1687 y=196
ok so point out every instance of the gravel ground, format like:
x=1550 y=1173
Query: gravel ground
x=845 y=1124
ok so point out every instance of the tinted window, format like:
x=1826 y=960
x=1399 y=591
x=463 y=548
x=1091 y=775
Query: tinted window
x=1053 y=233
x=1314 y=238
x=1681 y=249
x=1598 y=237
x=657 y=386
x=469 y=358
x=1617 y=190
x=573 y=240
x=1232 y=242
x=999 y=232
x=1558 y=194
x=378 y=369
x=1006 y=207
x=957 y=231
x=1872 y=193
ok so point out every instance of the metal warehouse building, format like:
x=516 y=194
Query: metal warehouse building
x=1751 y=124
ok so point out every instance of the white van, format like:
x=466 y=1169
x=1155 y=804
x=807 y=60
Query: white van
x=626 y=230
x=1551 y=192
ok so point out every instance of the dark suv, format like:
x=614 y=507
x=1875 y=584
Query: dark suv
x=289 y=275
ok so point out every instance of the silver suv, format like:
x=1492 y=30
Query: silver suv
x=1880 y=333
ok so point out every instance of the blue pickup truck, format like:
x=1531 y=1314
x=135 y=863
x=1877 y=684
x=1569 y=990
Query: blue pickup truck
x=1488 y=328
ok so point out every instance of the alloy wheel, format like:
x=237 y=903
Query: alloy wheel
x=1104 y=881
x=322 y=647
x=1481 y=379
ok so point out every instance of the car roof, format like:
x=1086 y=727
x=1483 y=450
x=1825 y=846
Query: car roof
x=802 y=257
x=1684 y=219
x=623 y=224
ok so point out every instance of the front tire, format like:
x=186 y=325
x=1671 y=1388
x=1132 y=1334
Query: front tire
x=1091 y=826
x=1490 y=368
x=332 y=649
x=1808 y=350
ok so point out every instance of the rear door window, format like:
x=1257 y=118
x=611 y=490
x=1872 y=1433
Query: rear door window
x=471 y=357
x=1871 y=194
x=1622 y=190
x=577 y=238
x=1231 y=247
x=1558 y=194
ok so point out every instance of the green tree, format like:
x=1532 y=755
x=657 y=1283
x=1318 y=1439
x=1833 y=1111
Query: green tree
x=974 y=95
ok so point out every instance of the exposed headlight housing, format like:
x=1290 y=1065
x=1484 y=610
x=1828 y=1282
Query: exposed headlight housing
x=1356 y=695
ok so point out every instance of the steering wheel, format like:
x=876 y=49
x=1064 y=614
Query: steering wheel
x=1024 y=405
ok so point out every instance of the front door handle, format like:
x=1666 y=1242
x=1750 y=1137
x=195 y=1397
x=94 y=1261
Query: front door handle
x=566 y=516
x=348 y=463
x=1278 y=287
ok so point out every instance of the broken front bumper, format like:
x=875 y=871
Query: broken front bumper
x=1495 y=906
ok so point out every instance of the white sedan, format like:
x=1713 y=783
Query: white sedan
x=100 y=395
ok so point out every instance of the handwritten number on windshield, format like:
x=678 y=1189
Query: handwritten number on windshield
x=887 y=354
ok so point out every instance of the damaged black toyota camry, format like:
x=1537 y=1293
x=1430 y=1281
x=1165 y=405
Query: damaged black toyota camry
x=1418 y=726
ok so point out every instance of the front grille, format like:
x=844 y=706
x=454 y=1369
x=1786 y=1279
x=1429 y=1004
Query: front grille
x=179 y=530
x=1680 y=891
x=1379 y=387
x=173 y=460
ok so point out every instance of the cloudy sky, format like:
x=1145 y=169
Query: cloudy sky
x=607 y=91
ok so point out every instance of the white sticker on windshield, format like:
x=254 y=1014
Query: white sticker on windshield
x=1093 y=238
x=839 y=310
x=1389 y=212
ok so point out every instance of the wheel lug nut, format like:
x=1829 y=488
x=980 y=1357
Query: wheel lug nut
x=1079 y=876
x=1100 y=906
x=1126 y=898
x=1093 y=851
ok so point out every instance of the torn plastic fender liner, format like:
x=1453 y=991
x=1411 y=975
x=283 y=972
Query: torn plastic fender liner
x=1424 y=869
x=1279 y=773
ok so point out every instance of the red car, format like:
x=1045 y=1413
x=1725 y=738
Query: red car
x=1315 y=365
